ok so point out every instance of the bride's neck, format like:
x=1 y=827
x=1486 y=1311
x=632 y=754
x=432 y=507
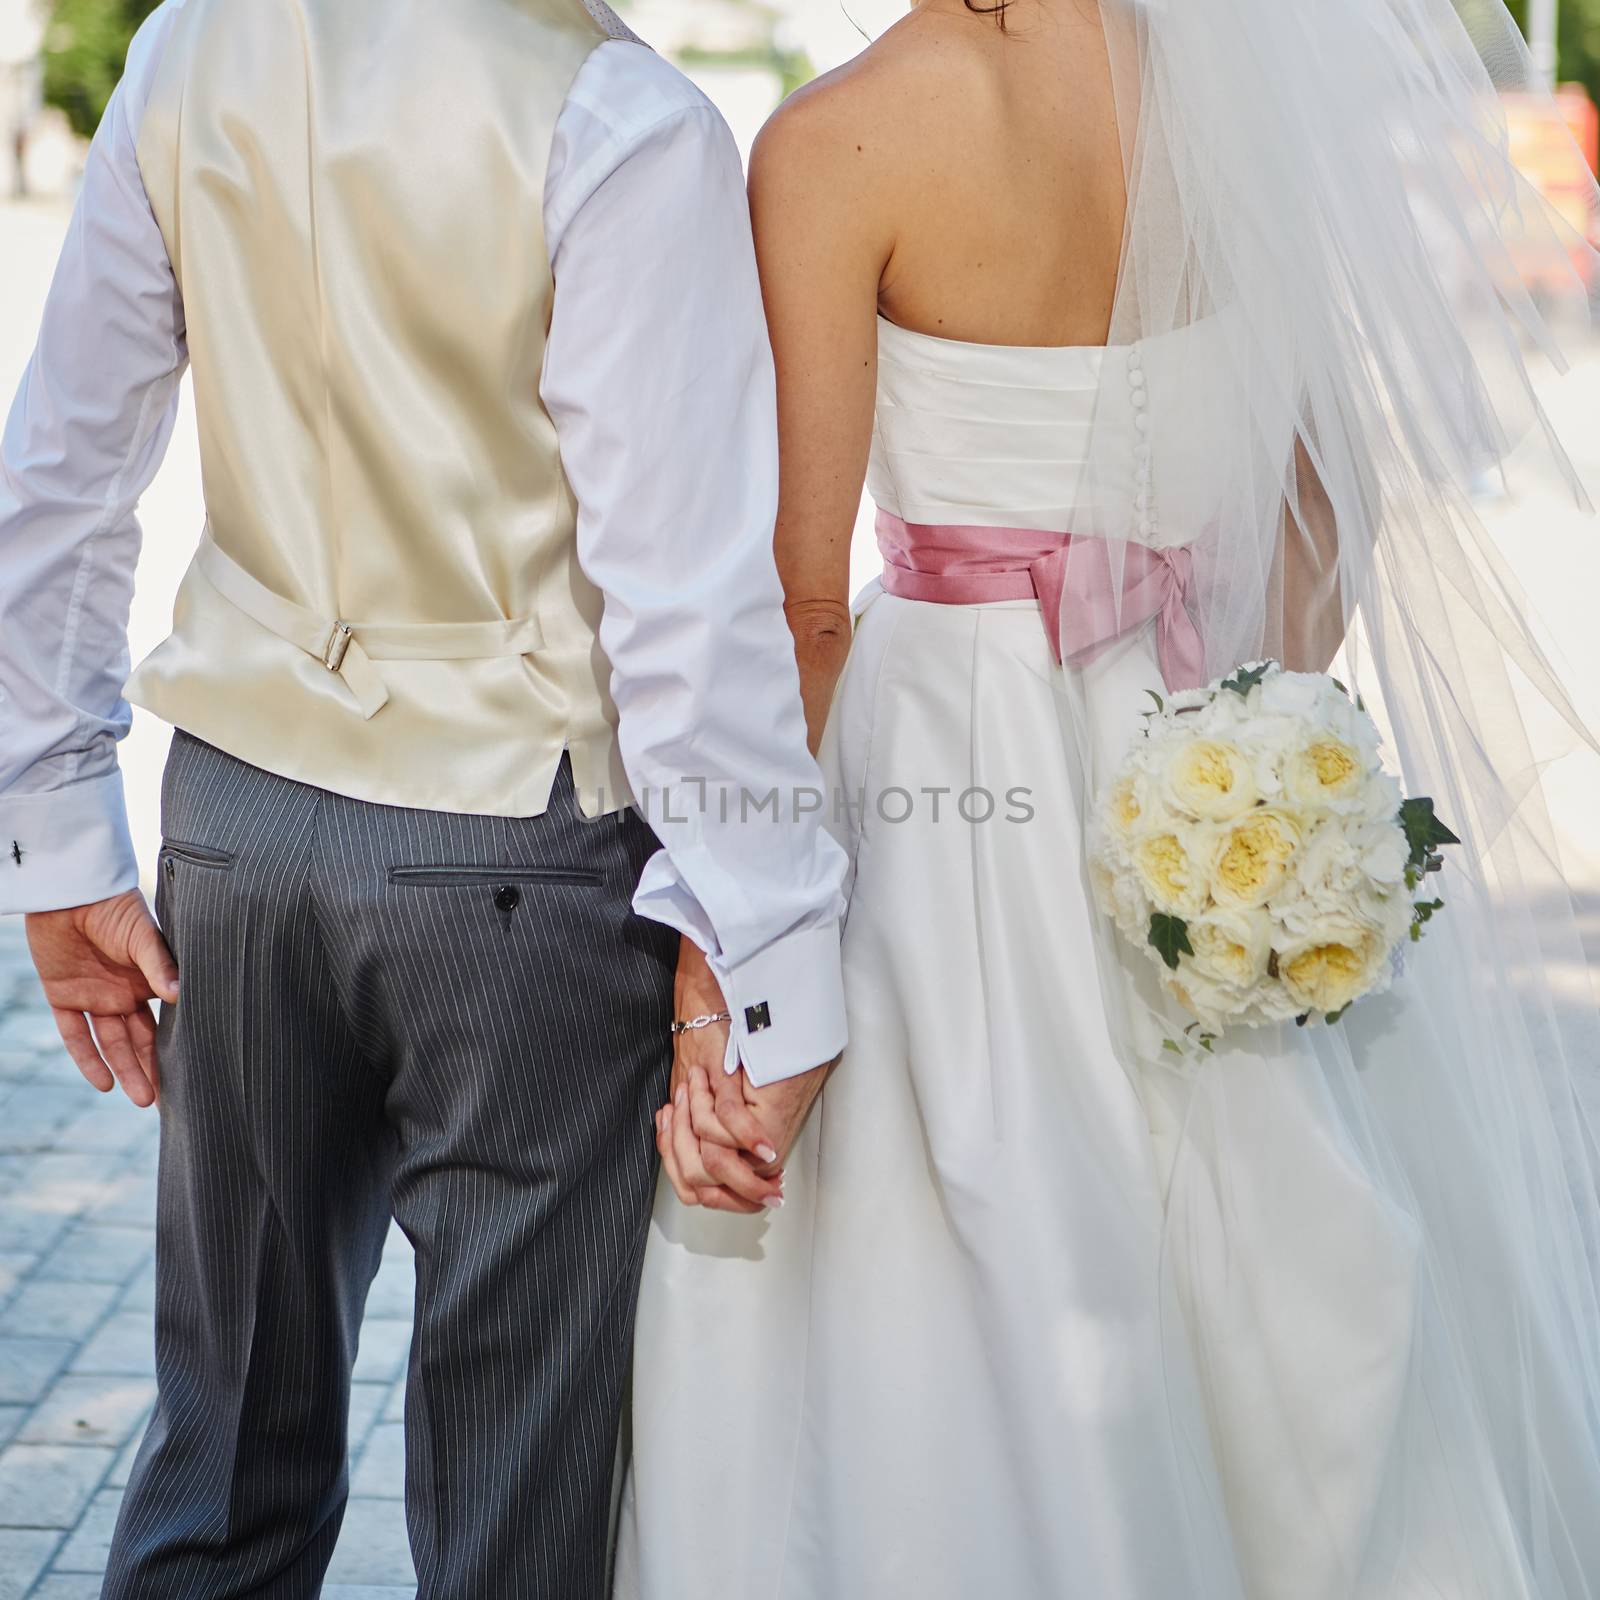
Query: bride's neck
x=1020 y=15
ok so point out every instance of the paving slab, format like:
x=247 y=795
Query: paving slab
x=381 y=1470
x=102 y=1409
x=99 y=1255
x=372 y=1545
x=56 y=1310
x=89 y=1546
x=24 y=1554
x=123 y=1345
x=385 y=1344
x=49 y=1485
x=27 y=1367
x=71 y=1586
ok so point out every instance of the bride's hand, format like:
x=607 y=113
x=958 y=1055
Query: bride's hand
x=710 y=1140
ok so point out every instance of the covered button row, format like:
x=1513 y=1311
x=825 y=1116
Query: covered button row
x=1144 y=493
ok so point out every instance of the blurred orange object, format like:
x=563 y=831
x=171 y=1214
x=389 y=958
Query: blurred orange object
x=1542 y=146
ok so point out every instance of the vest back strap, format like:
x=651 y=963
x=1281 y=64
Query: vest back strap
x=348 y=648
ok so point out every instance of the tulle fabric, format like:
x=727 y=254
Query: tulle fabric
x=1323 y=282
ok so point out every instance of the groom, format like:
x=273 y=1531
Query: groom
x=486 y=419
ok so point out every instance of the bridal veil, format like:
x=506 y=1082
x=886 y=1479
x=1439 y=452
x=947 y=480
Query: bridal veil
x=1340 y=287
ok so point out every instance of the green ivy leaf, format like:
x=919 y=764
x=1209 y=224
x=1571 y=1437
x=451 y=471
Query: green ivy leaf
x=1169 y=937
x=1424 y=833
x=1424 y=910
x=1246 y=678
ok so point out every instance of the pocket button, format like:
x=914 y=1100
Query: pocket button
x=507 y=897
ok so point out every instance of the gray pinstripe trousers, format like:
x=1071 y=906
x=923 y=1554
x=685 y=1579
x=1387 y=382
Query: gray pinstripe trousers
x=456 y=1020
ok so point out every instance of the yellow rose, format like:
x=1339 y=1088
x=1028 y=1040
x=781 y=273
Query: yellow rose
x=1325 y=973
x=1254 y=859
x=1173 y=879
x=1326 y=771
x=1210 y=779
x=1124 y=806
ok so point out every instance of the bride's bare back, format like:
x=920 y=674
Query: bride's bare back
x=963 y=179
x=1001 y=174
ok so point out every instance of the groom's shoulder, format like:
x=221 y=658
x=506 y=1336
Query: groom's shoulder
x=631 y=89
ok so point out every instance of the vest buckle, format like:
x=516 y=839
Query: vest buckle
x=338 y=643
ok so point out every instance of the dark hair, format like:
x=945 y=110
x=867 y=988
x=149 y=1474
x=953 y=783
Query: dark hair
x=997 y=10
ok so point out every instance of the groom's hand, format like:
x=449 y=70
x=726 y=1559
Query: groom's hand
x=101 y=965
x=782 y=1107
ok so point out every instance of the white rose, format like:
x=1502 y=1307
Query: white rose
x=1213 y=1005
x=1119 y=896
x=1300 y=695
x=1329 y=862
x=1383 y=850
x=1189 y=700
x=1271 y=1003
x=1266 y=758
x=1392 y=911
x=1381 y=801
x=1231 y=947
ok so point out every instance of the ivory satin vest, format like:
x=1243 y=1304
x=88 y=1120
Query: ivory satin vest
x=388 y=601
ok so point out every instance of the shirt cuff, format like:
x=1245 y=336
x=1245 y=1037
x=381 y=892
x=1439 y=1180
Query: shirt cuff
x=65 y=847
x=787 y=1004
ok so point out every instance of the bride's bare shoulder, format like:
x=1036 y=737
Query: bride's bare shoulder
x=865 y=121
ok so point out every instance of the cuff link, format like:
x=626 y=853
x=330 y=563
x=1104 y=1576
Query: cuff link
x=757 y=1017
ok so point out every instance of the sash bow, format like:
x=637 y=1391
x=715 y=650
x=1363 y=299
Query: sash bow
x=1086 y=606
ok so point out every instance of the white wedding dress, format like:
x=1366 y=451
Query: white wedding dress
x=1048 y=1315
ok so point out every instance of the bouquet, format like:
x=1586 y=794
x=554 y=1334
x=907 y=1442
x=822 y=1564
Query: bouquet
x=1253 y=846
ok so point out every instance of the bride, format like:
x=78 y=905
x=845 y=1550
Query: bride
x=1224 y=297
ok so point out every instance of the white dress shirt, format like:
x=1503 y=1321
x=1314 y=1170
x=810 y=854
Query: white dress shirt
x=659 y=378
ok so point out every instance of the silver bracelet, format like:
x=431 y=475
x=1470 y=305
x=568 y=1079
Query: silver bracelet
x=704 y=1021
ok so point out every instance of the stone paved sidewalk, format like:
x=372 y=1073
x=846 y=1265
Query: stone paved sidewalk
x=77 y=1212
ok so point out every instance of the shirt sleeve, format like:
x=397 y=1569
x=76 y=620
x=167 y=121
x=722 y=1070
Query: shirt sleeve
x=85 y=436
x=659 y=377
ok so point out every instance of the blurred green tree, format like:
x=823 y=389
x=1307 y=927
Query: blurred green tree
x=85 y=46
x=1577 y=41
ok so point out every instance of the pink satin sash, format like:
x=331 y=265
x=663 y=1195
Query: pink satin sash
x=954 y=564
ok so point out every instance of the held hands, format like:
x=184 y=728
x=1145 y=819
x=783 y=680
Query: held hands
x=723 y=1141
x=101 y=965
